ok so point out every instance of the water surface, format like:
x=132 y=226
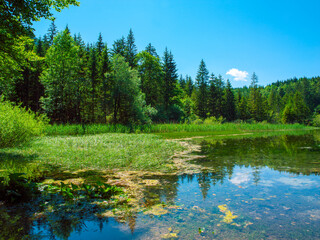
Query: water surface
x=261 y=188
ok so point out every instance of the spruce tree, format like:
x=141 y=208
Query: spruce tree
x=229 y=103
x=202 y=79
x=104 y=67
x=93 y=76
x=212 y=97
x=151 y=49
x=52 y=31
x=131 y=50
x=189 y=86
x=257 y=103
x=100 y=45
x=182 y=82
x=119 y=47
x=170 y=78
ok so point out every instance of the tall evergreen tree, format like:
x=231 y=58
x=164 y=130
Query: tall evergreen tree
x=93 y=77
x=131 y=50
x=52 y=31
x=229 y=103
x=202 y=79
x=151 y=49
x=100 y=45
x=119 y=47
x=257 y=104
x=104 y=88
x=212 y=97
x=189 y=86
x=182 y=82
x=170 y=78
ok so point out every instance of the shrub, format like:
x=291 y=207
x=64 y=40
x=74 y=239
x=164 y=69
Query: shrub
x=316 y=121
x=18 y=125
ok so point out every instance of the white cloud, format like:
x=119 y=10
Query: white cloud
x=240 y=178
x=238 y=75
x=297 y=183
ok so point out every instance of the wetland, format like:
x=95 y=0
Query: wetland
x=244 y=186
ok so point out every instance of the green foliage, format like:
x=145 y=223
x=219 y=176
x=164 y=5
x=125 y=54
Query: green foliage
x=18 y=125
x=295 y=110
x=16 y=20
x=170 y=80
x=151 y=74
x=17 y=188
x=201 y=97
x=97 y=190
x=62 y=84
x=229 y=103
x=316 y=120
x=129 y=105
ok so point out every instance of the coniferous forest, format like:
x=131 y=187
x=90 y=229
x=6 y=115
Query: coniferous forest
x=76 y=82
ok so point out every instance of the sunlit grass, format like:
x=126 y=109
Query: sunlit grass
x=103 y=152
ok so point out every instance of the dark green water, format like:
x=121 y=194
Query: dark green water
x=272 y=185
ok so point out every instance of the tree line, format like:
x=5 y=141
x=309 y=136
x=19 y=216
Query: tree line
x=75 y=82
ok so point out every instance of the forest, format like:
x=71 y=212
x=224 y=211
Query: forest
x=71 y=81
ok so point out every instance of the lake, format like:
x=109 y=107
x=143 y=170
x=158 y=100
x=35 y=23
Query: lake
x=265 y=187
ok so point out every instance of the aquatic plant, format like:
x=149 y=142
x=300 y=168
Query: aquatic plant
x=96 y=190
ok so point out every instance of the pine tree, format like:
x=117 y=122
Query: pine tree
x=104 y=66
x=170 y=78
x=52 y=31
x=229 y=103
x=131 y=50
x=189 y=86
x=257 y=104
x=244 y=113
x=100 y=45
x=93 y=77
x=119 y=47
x=151 y=49
x=215 y=96
x=212 y=97
x=182 y=82
x=40 y=48
x=202 y=79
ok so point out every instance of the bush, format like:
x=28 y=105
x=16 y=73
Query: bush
x=316 y=121
x=18 y=125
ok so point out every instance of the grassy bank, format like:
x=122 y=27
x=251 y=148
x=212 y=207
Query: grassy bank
x=77 y=129
x=102 y=152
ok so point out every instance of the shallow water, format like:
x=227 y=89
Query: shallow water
x=261 y=188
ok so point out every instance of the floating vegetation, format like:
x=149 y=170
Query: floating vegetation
x=157 y=210
x=90 y=191
x=228 y=217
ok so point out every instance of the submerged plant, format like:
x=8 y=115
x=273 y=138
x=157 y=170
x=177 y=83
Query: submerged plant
x=90 y=191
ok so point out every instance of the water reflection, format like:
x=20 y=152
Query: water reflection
x=270 y=183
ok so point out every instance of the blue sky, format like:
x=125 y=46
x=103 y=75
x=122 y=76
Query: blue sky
x=277 y=39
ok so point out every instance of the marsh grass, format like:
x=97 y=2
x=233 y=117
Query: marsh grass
x=102 y=152
x=197 y=129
